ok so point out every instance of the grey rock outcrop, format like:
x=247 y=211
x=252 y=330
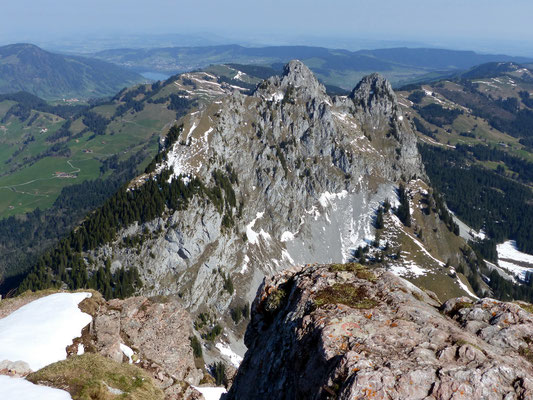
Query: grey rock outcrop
x=345 y=332
x=295 y=152
x=297 y=80
x=157 y=332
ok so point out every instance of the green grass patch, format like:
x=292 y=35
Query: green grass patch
x=38 y=185
x=275 y=300
x=526 y=306
x=344 y=293
x=89 y=377
x=526 y=353
x=360 y=271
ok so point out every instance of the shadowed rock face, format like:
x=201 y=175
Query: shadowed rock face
x=344 y=332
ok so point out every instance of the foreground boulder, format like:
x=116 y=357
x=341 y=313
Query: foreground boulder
x=345 y=332
x=150 y=333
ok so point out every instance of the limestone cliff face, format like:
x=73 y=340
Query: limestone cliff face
x=344 y=332
x=311 y=171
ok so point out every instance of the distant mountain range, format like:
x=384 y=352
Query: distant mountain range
x=337 y=67
x=26 y=67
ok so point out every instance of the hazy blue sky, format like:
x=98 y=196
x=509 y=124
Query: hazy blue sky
x=441 y=22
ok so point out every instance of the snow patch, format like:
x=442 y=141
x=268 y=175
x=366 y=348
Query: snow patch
x=508 y=250
x=239 y=75
x=465 y=288
x=225 y=350
x=211 y=393
x=244 y=267
x=285 y=254
x=424 y=250
x=21 y=389
x=327 y=198
x=276 y=97
x=510 y=258
x=206 y=135
x=287 y=236
x=517 y=270
x=81 y=349
x=253 y=237
x=39 y=332
x=408 y=268
x=128 y=352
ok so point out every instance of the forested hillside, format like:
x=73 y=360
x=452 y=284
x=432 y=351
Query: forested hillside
x=25 y=67
x=60 y=161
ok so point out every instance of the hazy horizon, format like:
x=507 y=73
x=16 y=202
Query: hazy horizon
x=483 y=26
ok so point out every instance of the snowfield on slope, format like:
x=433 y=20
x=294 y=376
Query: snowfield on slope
x=211 y=393
x=225 y=350
x=39 y=332
x=21 y=389
x=510 y=258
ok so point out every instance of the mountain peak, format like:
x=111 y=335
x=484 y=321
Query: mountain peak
x=296 y=75
x=374 y=94
x=373 y=85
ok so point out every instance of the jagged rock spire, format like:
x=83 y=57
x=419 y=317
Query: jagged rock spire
x=373 y=90
x=296 y=75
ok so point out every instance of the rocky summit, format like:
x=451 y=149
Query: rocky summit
x=342 y=331
x=289 y=152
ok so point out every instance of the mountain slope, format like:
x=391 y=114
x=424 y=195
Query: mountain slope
x=58 y=162
x=25 y=67
x=249 y=185
x=475 y=134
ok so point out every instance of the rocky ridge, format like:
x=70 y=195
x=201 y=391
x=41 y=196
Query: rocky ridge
x=342 y=331
x=300 y=176
x=294 y=151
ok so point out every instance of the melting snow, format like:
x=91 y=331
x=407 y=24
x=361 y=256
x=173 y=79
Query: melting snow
x=206 y=134
x=211 y=393
x=326 y=198
x=239 y=75
x=425 y=251
x=253 y=237
x=285 y=254
x=465 y=288
x=128 y=352
x=287 y=236
x=39 y=332
x=193 y=127
x=278 y=96
x=21 y=389
x=225 y=350
x=245 y=264
x=507 y=253
x=408 y=268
